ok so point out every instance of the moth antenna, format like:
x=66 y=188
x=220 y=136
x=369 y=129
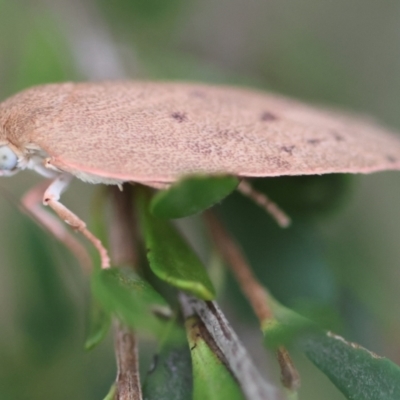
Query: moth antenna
x=282 y=219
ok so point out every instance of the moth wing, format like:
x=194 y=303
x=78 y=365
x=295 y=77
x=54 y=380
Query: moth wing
x=157 y=132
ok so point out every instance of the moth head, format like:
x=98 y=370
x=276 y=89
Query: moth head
x=8 y=161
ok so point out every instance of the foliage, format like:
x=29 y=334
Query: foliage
x=337 y=266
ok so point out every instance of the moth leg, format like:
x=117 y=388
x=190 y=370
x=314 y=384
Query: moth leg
x=263 y=201
x=31 y=203
x=51 y=198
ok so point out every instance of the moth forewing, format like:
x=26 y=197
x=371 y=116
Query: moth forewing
x=156 y=132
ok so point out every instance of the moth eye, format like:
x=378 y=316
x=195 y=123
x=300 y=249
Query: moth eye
x=8 y=159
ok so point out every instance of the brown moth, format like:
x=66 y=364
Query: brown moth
x=154 y=133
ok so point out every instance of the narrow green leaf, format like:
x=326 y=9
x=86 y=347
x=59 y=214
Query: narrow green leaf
x=122 y=293
x=111 y=394
x=170 y=256
x=170 y=375
x=225 y=343
x=100 y=322
x=285 y=327
x=137 y=285
x=192 y=195
x=211 y=378
x=356 y=372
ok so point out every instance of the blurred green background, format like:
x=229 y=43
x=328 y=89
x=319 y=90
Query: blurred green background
x=339 y=262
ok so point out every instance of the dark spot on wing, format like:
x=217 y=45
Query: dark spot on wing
x=200 y=148
x=179 y=116
x=314 y=141
x=277 y=162
x=224 y=133
x=391 y=158
x=268 y=116
x=288 y=149
x=337 y=136
x=227 y=133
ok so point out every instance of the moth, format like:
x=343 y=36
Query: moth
x=153 y=133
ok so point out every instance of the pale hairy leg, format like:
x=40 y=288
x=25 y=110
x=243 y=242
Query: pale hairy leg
x=32 y=204
x=51 y=198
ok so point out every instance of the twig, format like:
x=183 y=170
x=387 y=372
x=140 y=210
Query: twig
x=232 y=254
x=128 y=379
x=122 y=246
x=290 y=377
x=253 y=385
x=253 y=290
x=123 y=236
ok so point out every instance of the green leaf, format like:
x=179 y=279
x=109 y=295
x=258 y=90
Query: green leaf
x=120 y=292
x=111 y=394
x=170 y=376
x=211 y=378
x=192 y=195
x=137 y=285
x=100 y=322
x=356 y=372
x=170 y=256
x=285 y=327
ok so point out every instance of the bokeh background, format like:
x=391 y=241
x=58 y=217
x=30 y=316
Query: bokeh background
x=339 y=263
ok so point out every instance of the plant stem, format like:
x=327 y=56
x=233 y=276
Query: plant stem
x=254 y=292
x=126 y=351
x=123 y=240
x=123 y=235
x=253 y=385
x=230 y=251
